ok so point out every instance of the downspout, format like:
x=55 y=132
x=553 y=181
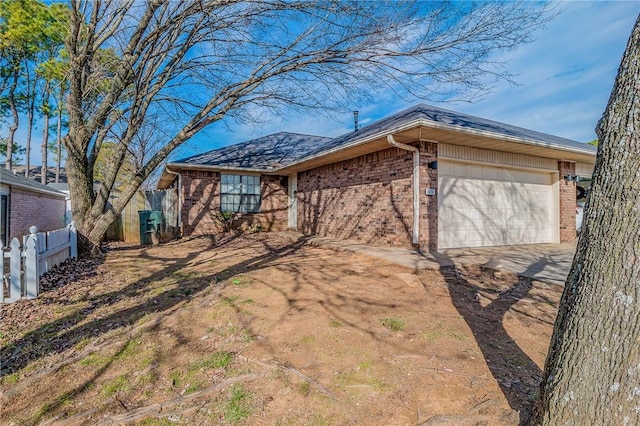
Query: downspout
x=179 y=196
x=416 y=185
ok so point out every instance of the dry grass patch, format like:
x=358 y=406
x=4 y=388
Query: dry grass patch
x=265 y=329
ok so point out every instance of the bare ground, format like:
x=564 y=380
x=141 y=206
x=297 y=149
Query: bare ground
x=265 y=329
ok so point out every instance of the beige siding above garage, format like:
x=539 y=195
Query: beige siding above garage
x=467 y=153
x=584 y=170
x=484 y=205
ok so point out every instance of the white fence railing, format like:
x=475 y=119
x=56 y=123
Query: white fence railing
x=40 y=252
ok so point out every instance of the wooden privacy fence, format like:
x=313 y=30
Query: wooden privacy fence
x=40 y=252
x=127 y=227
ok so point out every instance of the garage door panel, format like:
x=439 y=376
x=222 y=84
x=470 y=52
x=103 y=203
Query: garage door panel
x=473 y=220
x=485 y=206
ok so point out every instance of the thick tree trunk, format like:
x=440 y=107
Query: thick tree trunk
x=80 y=189
x=592 y=372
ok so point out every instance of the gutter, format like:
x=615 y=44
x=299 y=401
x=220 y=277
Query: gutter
x=507 y=138
x=416 y=185
x=187 y=166
x=52 y=192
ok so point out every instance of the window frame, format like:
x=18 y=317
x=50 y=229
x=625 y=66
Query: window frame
x=240 y=193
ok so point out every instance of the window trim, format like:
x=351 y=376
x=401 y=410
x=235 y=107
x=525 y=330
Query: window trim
x=242 y=194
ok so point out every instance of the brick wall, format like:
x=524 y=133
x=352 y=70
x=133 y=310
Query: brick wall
x=29 y=208
x=367 y=198
x=567 y=202
x=201 y=195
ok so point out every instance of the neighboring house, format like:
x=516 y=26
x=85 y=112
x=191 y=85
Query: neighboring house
x=35 y=173
x=425 y=177
x=26 y=203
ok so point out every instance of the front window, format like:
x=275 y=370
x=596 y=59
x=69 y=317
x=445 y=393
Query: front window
x=239 y=193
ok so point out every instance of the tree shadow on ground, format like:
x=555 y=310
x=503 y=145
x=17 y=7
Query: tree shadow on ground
x=73 y=329
x=69 y=330
x=517 y=375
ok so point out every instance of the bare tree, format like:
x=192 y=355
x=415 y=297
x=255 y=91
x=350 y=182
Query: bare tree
x=592 y=372
x=195 y=62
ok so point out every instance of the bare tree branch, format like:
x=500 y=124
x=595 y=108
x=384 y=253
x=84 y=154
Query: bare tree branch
x=191 y=63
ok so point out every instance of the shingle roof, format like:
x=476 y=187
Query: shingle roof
x=282 y=149
x=8 y=178
x=452 y=120
x=268 y=152
x=35 y=173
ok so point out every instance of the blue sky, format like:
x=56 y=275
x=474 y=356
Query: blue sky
x=564 y=77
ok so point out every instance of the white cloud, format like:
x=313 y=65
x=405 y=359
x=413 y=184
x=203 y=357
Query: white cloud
x=566 y=75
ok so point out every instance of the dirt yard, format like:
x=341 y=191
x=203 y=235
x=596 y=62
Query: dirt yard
x=264 y=329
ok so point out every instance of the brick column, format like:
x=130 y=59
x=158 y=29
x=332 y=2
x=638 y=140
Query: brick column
x=428 y=203
x=567 y=202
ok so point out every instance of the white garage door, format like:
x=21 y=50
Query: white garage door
x=490 y=206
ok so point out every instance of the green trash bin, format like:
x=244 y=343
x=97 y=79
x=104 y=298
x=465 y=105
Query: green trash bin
x=156 y=225
x=144 y=226
x=155 y=221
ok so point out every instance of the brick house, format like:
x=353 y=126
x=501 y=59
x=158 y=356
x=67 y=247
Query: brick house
x=426 y=177
x=25 y=203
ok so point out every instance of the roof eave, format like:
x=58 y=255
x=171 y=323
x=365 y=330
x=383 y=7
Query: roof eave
x=167 y=176
x=507 y=138
x=213 y=168
x=421 y=122
x=52 y=192
x=353 y=144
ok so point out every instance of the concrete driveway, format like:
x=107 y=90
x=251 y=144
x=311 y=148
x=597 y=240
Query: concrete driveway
x=544 y=262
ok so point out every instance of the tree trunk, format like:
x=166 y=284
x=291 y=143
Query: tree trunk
x=45 y=133
x=31 y=110
x=592 y=372
x=59 y=135
x=16 y=120
x=27 y=168
x=80 y=179
x=59 y=146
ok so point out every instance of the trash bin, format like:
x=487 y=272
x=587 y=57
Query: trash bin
x=155 y=221
x=155 y=226
x=144 y=225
